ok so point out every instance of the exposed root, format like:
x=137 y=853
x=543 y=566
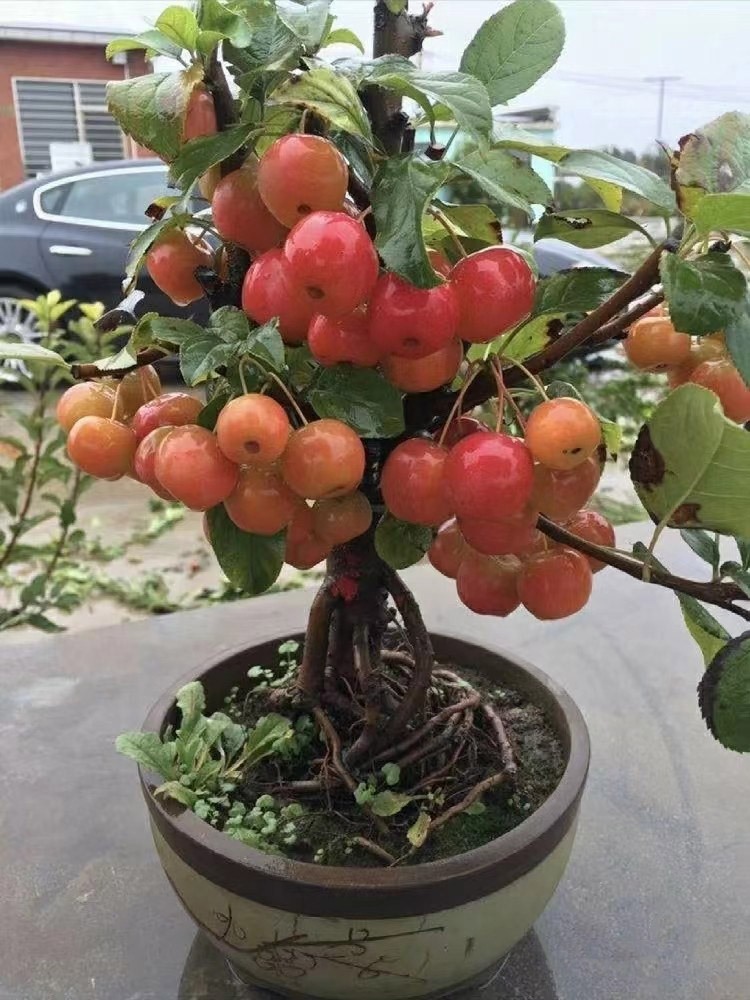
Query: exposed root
x=379 y=852
x=334 y=747
x=506 y=750
x=476 y=792
x=437 y=720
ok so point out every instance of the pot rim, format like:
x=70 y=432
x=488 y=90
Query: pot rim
x=304 y=887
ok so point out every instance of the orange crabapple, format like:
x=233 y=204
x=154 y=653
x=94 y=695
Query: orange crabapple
x=253 y=429
x=427 y=373
x=102 y=447
x=592 y=527
x=723 y=379
x=555 y=583
x=171 y=262
x=487 y=585
x=558 y=494
x=653 y=344
x=190 y=465
x=562 y=433
x=303 y=547
x=173 y=409
x=300 y=174
x=261 y=502
x=323 y=459
x=448 y=549
x=84 y=399
x=340 y=519
x=145 y=458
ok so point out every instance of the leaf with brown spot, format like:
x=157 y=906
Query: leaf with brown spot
x=711 y=160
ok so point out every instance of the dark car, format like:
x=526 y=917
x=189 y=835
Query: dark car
x=72 y=232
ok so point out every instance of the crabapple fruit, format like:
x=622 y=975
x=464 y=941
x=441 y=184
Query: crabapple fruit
x=338 y=520
x=460 y=428
x=303 y=547
x=413 y=482
x=429 y=372
x=487 y=584
x=300 y=174
x=516 y=536
x=200 y=116
x=439 y=262
x=102 y=447
x=448 y=549
x=562 y=433
x=554 y=584
x=137 y=388
x=261 y=502
x=240 y=215
x=723 y=379
x=592 y=527
x=325 y=458
x=409 y=321
x=494 y=289
x=489 y=476
x=653 y=344
x=267 y=293
x=145 y=457
x=84 y=399
x=347 y=338
x=173 y=409
x=559 y=494
x=190 y=465
x=253 y=430
x=332 y=262
x=171 y=262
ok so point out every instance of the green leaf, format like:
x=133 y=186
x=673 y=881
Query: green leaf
x=19 y=351
x=148 y=750
x=43 y=623
x=329 y=94
x=704 y=294
x=152 y=41
x=343 y=36
x=715 y=159
x=505 y=178
x=505 y=134
x=476 y=808
x=266 y=346
x=143 y=243
x=207 y=41
x=179 y=25
x=214 y=16
x=726 y=212
x=703 y=627
x=400 y=543
x=402 y=190
x=578 y=290
x=690 y=465
x=704 y=545
x=191 y=701
x=515 y=47
x=177 y=791
x=724 y=695
x=478 y=222
x=737 y=575
x=587 y=228
x=737 y=336
x=307 y=19
x=263 y=736
x=152 y=109
x=202 y=352
x=391 y=772
x=252 y=563
x=396 y=6
x=463 y=95
x=417 y=832
x=592 y=164
x=361 y=398
x=210 y=413
x=611 y=435
x=523 y=341
x=196 y=156
x=389 y=803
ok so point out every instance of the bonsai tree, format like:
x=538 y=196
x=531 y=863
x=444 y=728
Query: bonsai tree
x=377 y=365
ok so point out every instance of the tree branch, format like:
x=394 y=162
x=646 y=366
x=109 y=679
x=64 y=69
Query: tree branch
x=722 y=595
x=87 y=372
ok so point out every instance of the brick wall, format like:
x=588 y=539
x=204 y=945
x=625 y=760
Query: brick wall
x=46 y=59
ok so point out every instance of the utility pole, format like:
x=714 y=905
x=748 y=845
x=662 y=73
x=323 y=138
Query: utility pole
x=662 y=82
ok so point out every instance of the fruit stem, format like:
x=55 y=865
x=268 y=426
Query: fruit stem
x=471 y=375
x=530 y=376
x=446 y=223
x=242 y=375
x=502 y=395
x=116 y=403
x=274 y=378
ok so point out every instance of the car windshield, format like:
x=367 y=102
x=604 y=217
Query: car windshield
x=117 y=196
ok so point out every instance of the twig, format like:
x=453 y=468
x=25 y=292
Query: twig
x=90 y=371
x=379 y=852
x=722 y=595
x=476 y=792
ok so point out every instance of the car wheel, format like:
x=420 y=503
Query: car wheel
x=17 y=322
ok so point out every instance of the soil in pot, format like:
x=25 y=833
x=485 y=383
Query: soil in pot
x=480 y=760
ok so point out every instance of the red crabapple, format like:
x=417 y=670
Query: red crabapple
x=460 y=428
x=267 y=293
x=592 y=527
x=554 y=584
x=653 y=344
x=323 y=459
x=429 y=372
x=300 y=174
x=413 y=482
x=347 y=338
x=239 y=214
x=489 y=476
x=439 y=262
x=261 y=502
x=723 y=379
x=409 y=321
x=559 y=494
x=448 y=549
x=190 y=465
x=515 y=535
x=487 y=584
x=562 y=433
x=339 y=519
x=494 y=289
x=84 y=399
x=200 y=116
x=145 y=458
x=171 y=263
x=332 y=263
x=101 y=447
x=253 y=430
x=173 y=409
x=303 y=547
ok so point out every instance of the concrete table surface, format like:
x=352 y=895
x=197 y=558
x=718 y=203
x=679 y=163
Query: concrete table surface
x=655 y=902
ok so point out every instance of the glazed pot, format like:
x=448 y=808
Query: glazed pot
x=307 y=930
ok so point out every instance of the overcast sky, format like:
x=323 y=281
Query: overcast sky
x=597 y=85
